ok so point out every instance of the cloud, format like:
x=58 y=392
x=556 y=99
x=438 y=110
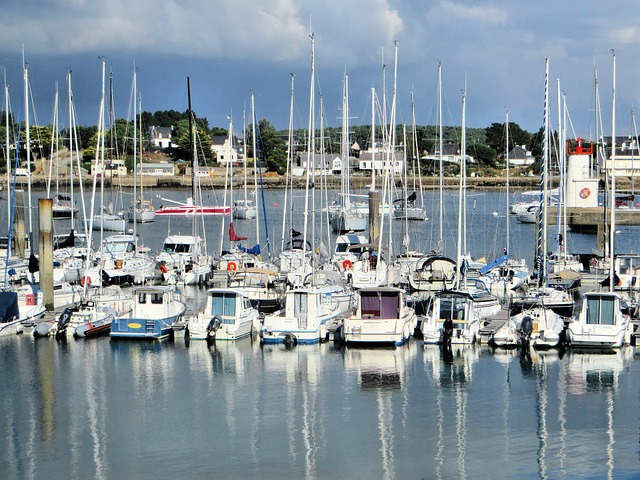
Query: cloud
x=253 y=29
x=484 y=14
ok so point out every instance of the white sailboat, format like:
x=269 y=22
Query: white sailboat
x=141 y=210
x=344 y=216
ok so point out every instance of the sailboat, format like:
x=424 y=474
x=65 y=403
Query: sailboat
x=141 y=210
x=184 y=258
x=344 y=216
x=601 y=322
x=245 y=208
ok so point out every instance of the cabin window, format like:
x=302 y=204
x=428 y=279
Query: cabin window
x=601 y=311
x=223 y=304
x=452 y=308
x=156 y=298
x=380 y=305
x=142 y=298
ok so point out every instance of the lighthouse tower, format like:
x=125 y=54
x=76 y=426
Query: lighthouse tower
x=582 y=188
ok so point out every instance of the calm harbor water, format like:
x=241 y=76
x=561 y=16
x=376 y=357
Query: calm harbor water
x=116 y=409
x=100 y=408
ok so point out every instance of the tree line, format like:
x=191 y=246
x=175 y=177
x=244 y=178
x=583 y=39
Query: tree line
x=486 y=145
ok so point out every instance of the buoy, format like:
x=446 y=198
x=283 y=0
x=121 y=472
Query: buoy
x=232 y=266
x=275 y=205
x=347 y=264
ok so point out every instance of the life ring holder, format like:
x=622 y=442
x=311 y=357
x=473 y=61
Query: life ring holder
x=232 y=266
x=585 y=193
x=347 y=264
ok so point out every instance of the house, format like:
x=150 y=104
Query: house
x=113 y=167
x=224 y=152
x=161 y=137
x=627 y=162
x=450 y=154
x=324 y=164
x=377 y=160
x=520 y=156
x=163 y=169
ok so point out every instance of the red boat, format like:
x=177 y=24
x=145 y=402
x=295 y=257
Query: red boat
x=189 y=209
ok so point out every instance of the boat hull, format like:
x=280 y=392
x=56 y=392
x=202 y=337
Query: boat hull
x=143 y=327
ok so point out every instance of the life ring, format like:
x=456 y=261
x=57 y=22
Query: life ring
x=584 y=193
x=347 y=264
x=85 y=279
x=232 y=266
x=163 y=268
x=593 y=262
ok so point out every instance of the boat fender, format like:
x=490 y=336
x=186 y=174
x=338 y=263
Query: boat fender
x=232 y=266
x=214 y=324
x=290 y=340
x=347 y=264
x=86 y=279
x=163 y=268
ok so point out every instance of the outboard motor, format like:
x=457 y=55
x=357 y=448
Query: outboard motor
x=526 y=328
x=447 y=332
x=63 y=322
x=214 y=324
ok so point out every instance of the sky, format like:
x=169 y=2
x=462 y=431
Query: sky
x=231 y=49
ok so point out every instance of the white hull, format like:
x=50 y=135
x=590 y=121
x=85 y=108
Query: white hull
x=111 y=223
x=246 y=213
x=144 y=216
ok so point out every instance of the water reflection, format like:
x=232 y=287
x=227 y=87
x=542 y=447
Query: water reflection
x=452 y=370
x=383 y=371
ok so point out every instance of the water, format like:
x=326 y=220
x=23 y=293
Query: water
x=115 y=409
x=99 y=408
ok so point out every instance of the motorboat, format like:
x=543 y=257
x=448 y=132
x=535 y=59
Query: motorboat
x=382 y=317
x=154 y=310
x=451 y=319
x=228 y=315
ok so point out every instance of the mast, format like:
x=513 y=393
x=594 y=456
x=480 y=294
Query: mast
x=8 y=153
x=135 y=153
x=310 y=145
x=373 y=139
x=54 y=143
x=508 y=179
x=441 y=159
x=612 y=200
x=416 y=153
x=25 y=67
x=541 y=247
x=289 y=165
x=255 y=164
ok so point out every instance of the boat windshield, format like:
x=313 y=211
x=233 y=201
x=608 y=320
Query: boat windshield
x=601 y=311
x=176 y=248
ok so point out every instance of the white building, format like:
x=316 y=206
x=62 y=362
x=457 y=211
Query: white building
x=112 y=168
x=520 y=156
x=450 y=154
x=163 y=169
x=226 y=153
x=161 y=137
x=377 y=160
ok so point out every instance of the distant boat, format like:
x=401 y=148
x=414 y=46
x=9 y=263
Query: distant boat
x=189 y=209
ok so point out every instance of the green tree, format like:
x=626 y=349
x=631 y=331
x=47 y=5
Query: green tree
x=482 y=154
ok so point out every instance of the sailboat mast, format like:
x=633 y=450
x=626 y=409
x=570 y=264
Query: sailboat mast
x=135 y=154
x=28 y=146
x=373 y=139
x=289 y=165
x=542 y=222
x=441 y=159
x=459 y=246
x=612 y=200
x=54 y=143
x=310 y=145
x=255 y=164
x=8 y=152
x=506 y=129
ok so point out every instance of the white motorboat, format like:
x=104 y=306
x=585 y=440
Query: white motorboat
x=601 y=323
x=538 y=326
x=382 y=317
x=452 y=318
x=228 y=315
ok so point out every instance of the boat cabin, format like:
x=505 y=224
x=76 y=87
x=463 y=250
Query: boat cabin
x=379 y=303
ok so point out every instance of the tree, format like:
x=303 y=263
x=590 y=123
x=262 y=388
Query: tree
x=483 y=154
x=272 y=148
x=496 y=138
